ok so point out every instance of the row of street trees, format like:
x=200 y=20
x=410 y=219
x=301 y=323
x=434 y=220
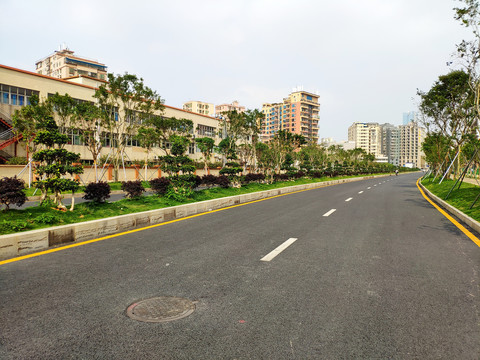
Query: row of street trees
x=125 y=109
x=451 y=108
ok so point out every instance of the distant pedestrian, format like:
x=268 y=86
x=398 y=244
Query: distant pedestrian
x=396 y=172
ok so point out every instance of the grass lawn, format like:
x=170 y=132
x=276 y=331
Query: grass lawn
x=37 y=217
x=461 y=198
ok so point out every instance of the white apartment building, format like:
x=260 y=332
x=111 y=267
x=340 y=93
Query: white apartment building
x=411 y=139
x=391 y=143
x=367 y=136
x=63 y=64
x=398 y=145
x=199 y=107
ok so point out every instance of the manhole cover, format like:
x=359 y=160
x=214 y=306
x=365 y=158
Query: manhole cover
x=161 y=309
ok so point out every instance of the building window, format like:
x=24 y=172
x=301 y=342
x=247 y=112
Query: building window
x=12 y=95
x=76 y=137
x=206 y=130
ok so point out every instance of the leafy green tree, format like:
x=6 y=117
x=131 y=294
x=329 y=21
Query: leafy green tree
x=264 y=158
x=165 y=127
x=436 y=147
x=55 y=163
x=448 y=108
x=282 y=144
x=369 y=158
x=64 y=108
x=240 y=132
x=126 y=102
x=206 y=146
x=469 y=50
x=25 y=121
x=233 y=125
x=87 y=118
x=253 y=125
x=313 y=157
x=180 y=169
x=227 y=148
x=147 y=137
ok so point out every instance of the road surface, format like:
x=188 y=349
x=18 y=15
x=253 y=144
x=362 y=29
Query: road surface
x=367 y=270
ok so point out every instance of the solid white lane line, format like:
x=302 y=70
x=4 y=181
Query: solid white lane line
x=330 y=212
x=271 y=255
x=360 y=192
x=349 y=199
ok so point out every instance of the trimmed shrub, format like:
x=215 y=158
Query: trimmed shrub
x=280 y=177
x=299 y=174
x=317 y=174
x=223 y=181
x=253 y=177
x=198 y=181
x=17 y=161
x=133 y=189
x=160 y=185
x=11 y=192
x=97 y=192
x=209 y=180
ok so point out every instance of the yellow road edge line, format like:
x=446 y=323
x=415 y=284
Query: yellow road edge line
x=45 y=252
x=444 y=213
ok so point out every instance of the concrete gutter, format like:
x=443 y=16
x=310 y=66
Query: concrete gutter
x=474 y=224
x=23 y=243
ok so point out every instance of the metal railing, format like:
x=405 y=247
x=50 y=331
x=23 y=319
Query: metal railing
x=7 y=134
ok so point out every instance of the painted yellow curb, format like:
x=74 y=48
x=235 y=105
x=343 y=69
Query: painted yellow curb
x=455 y=222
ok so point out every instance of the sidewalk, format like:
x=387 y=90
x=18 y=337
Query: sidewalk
x=472 y=181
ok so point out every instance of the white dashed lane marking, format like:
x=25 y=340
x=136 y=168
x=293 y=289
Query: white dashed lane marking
x=330 y=212
x=271 y=255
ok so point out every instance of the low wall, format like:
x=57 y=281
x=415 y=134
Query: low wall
x=22 y=243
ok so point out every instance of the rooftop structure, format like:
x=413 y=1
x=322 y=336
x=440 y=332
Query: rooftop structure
x=63 y=64
x=199 y=107
x=219 y=109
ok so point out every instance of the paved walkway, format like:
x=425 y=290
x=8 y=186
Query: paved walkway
x=472 y=181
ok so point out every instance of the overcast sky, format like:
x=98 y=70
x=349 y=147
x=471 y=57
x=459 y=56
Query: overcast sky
x=365 y=58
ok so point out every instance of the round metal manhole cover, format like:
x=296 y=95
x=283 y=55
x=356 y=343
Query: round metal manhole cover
x=161 y=309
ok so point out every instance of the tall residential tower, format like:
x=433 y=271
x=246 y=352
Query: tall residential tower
x=298 y=113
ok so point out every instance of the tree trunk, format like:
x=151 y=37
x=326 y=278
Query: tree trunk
x=73 y=201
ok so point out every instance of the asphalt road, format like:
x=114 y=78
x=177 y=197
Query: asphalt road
x=384 y=276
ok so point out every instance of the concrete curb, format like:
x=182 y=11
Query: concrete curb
x=474 y=224
x=23 y=243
